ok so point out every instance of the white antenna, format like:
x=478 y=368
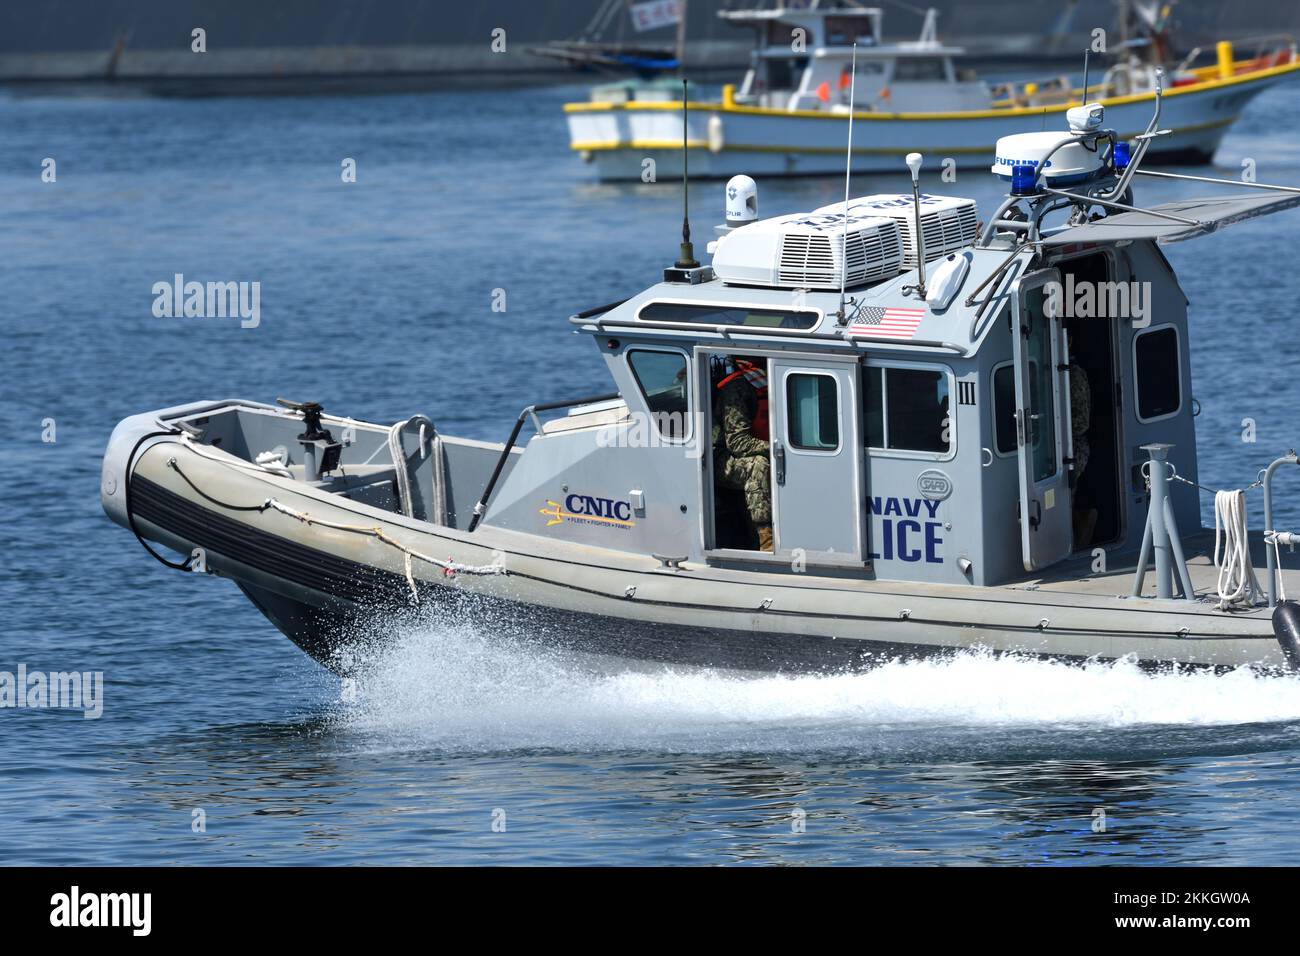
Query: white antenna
x=914 y=161
x=842 y=315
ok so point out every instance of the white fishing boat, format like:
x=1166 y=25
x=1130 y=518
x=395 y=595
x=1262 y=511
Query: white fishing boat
x=788 y=115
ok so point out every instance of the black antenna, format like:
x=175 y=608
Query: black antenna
x=686 y=259
x=1085 y=76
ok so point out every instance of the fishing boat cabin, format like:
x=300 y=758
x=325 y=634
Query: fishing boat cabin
x=803 y=57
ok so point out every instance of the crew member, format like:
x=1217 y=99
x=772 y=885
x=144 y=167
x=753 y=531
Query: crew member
x=740 y=441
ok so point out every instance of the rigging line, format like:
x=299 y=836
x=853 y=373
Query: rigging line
x=273 y=504
x=175 y=466
x=130 y=514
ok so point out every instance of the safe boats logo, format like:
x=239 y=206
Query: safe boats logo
x=588 y=509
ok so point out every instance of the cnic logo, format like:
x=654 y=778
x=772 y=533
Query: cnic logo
x=589 y=509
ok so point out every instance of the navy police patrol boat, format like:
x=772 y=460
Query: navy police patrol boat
x=939 y=477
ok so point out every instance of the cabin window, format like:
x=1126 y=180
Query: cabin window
x=813 y=410
x=1158 y=372
x=780 y=34
x=785 y=74
x=727 y=315
x=921 y=69
x=1004 y=409
x=845 y=31
x=662 y=379
x=907 y=409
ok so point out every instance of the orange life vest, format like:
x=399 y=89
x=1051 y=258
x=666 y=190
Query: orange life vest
x=758 y=427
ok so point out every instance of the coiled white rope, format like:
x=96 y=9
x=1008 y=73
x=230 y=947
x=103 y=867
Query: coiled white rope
x=272 y=466
x=1237 y=582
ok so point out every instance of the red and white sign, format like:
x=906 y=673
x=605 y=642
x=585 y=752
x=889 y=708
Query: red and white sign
x=653 y=14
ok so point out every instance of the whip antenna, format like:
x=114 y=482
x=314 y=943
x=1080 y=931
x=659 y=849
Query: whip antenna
x=848 y=169
x=686 y=259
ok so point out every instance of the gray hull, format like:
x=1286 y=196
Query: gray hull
x=317 y=584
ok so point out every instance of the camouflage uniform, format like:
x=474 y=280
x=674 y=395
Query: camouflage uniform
x=1080 y=415
x=740 y=460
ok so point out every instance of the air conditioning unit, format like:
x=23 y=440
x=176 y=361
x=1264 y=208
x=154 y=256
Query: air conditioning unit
x=948 y=224
x=810 y=251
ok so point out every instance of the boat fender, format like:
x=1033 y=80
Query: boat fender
x=1286 y=628
x=717 y=139
x=947 y=281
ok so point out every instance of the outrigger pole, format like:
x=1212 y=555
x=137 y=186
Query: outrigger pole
x=1217 y=182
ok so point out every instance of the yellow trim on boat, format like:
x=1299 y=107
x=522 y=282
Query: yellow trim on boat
x=597 y=145
x=673 y=144
x=732 y=107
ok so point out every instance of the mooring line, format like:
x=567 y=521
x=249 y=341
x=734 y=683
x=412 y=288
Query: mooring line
x=449 y=567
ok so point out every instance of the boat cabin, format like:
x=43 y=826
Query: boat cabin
x=803 y=56
x=972 y=422
x=905 y=444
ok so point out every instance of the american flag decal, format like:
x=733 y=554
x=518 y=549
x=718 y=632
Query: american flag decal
x=887 y=322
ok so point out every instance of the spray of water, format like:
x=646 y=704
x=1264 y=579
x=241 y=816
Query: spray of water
x=465 y=687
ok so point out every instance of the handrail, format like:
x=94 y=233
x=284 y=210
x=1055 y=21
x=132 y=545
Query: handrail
x=757 y=332
x=599 y=310
x=1002 y=267
x=1270 y=552
x=1263 y=40
x=717 y=327
x=530 y=411
x=1188 y=60
x=1120 y=206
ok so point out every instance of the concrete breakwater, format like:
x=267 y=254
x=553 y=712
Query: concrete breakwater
x=426 y=42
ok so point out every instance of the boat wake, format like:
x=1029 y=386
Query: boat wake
x=464 y=688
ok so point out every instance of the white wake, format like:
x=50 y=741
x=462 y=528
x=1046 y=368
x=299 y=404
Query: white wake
x=458 y=687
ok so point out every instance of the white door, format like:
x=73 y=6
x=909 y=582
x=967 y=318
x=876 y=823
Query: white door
x=1042 y=424
x=817 y=454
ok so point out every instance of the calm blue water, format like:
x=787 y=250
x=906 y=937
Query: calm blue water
x=376 y=300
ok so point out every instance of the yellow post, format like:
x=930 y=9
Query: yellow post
x=729 y=96
x=1224 y=49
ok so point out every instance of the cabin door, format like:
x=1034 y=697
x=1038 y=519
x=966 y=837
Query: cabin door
x=1042 y=423
x=817 y=456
